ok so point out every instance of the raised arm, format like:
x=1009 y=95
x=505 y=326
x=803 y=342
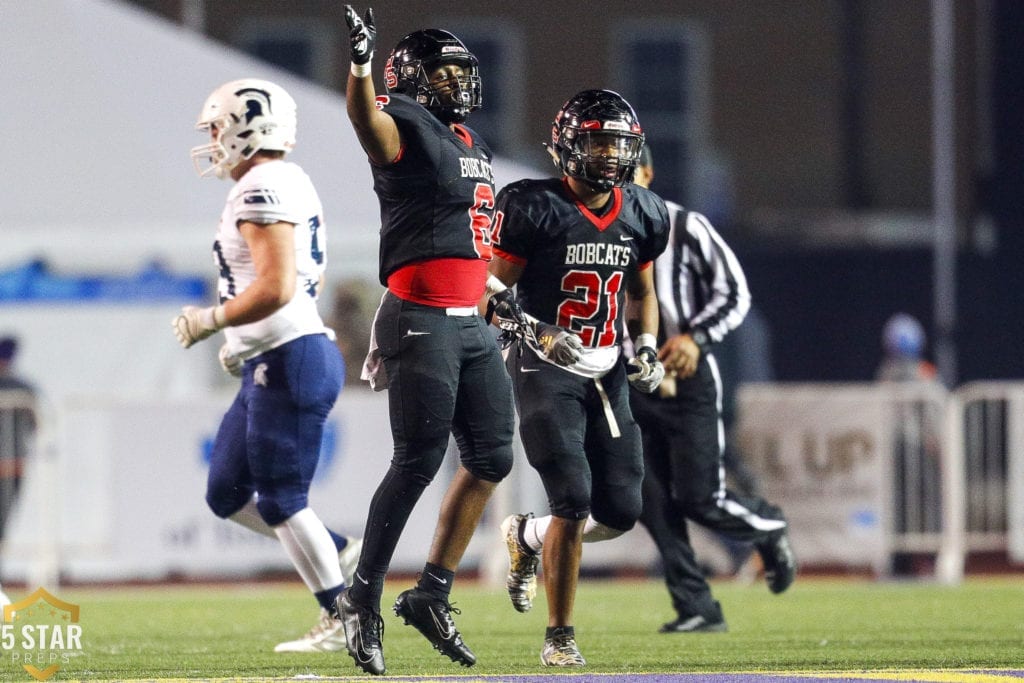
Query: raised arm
x=376 y=130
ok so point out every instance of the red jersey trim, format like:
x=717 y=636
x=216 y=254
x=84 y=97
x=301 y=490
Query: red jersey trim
x=512 y=258
x=600 y=222
x=645 y=265
x=463 y=134
x=440 y=282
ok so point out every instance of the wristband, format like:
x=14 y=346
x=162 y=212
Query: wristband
x=361 y=70
x=220 y=318
x=646 y=339
x=493 y=286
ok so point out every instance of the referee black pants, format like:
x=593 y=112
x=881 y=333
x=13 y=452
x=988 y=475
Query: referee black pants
x=684 y=479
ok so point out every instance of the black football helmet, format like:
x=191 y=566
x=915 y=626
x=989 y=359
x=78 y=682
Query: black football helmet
x=596 y=138
x=408 y=69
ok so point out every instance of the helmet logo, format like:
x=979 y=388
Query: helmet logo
x=252 y=110
x=254 y=106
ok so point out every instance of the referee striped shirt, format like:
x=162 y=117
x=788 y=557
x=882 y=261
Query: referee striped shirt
x=699 y=281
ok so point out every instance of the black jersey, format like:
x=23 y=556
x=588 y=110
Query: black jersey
x=576 y=263
x=437 y=198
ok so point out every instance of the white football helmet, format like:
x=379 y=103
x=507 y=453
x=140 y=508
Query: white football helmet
x=243 y=117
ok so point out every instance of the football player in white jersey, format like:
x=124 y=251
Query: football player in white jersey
x=270 y=253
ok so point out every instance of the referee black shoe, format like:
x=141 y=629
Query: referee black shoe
x=433 y=618
x=779 y=562
x=696 y=624
x=364 y=630
x=710 y=622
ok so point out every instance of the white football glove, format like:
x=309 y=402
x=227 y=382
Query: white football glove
x=196 y=324
x=558 y=344
x=231 y=363
x=644 y=371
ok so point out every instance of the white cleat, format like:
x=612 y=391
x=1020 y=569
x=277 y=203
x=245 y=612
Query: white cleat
x=326 y=636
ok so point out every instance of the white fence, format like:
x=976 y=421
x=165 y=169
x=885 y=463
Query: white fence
x=867 y=471
x=864 y=472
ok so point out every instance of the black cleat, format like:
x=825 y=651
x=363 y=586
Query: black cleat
x=433 y=618
x=779 y=561
x=364 y=629
x=695 y=624
x=712 y=621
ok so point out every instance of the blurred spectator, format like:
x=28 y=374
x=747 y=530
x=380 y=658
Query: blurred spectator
x=916 y=444
x=903 y=341
x=355 y=302
x=17 y=432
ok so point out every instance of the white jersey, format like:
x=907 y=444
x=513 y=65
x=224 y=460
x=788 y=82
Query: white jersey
x=272 y=192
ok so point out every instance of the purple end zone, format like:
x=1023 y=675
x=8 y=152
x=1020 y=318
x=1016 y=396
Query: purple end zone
x=849 y=677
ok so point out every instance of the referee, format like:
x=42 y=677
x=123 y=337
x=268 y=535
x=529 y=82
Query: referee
x=703 y=296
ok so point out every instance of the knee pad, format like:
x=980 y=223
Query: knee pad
x=492 y=464
x=420 y=459
x=278 y=503
x=226 y=499
x=570 y=501
x=619 y=514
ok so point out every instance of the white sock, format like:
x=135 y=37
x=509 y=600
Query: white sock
x=593 y=532
x=534 y=532
x=311 y=550
x=249 y=517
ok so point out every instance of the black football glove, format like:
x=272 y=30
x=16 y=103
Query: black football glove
x=362 y=35
x=504 y=306
x=504 y=311
x=644 y=371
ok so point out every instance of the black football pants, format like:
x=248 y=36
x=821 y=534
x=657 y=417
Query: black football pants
x=684 y=479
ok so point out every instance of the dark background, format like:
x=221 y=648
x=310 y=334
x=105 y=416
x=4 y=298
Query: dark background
x=811 y=150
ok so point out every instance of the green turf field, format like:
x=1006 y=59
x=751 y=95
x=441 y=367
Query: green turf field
x=820 y=624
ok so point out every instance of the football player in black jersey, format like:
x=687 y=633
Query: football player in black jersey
x=579 y=250
x=430 y=347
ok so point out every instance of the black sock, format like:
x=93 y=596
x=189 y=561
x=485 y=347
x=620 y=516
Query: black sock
x=367 y=592
x=436 y=580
